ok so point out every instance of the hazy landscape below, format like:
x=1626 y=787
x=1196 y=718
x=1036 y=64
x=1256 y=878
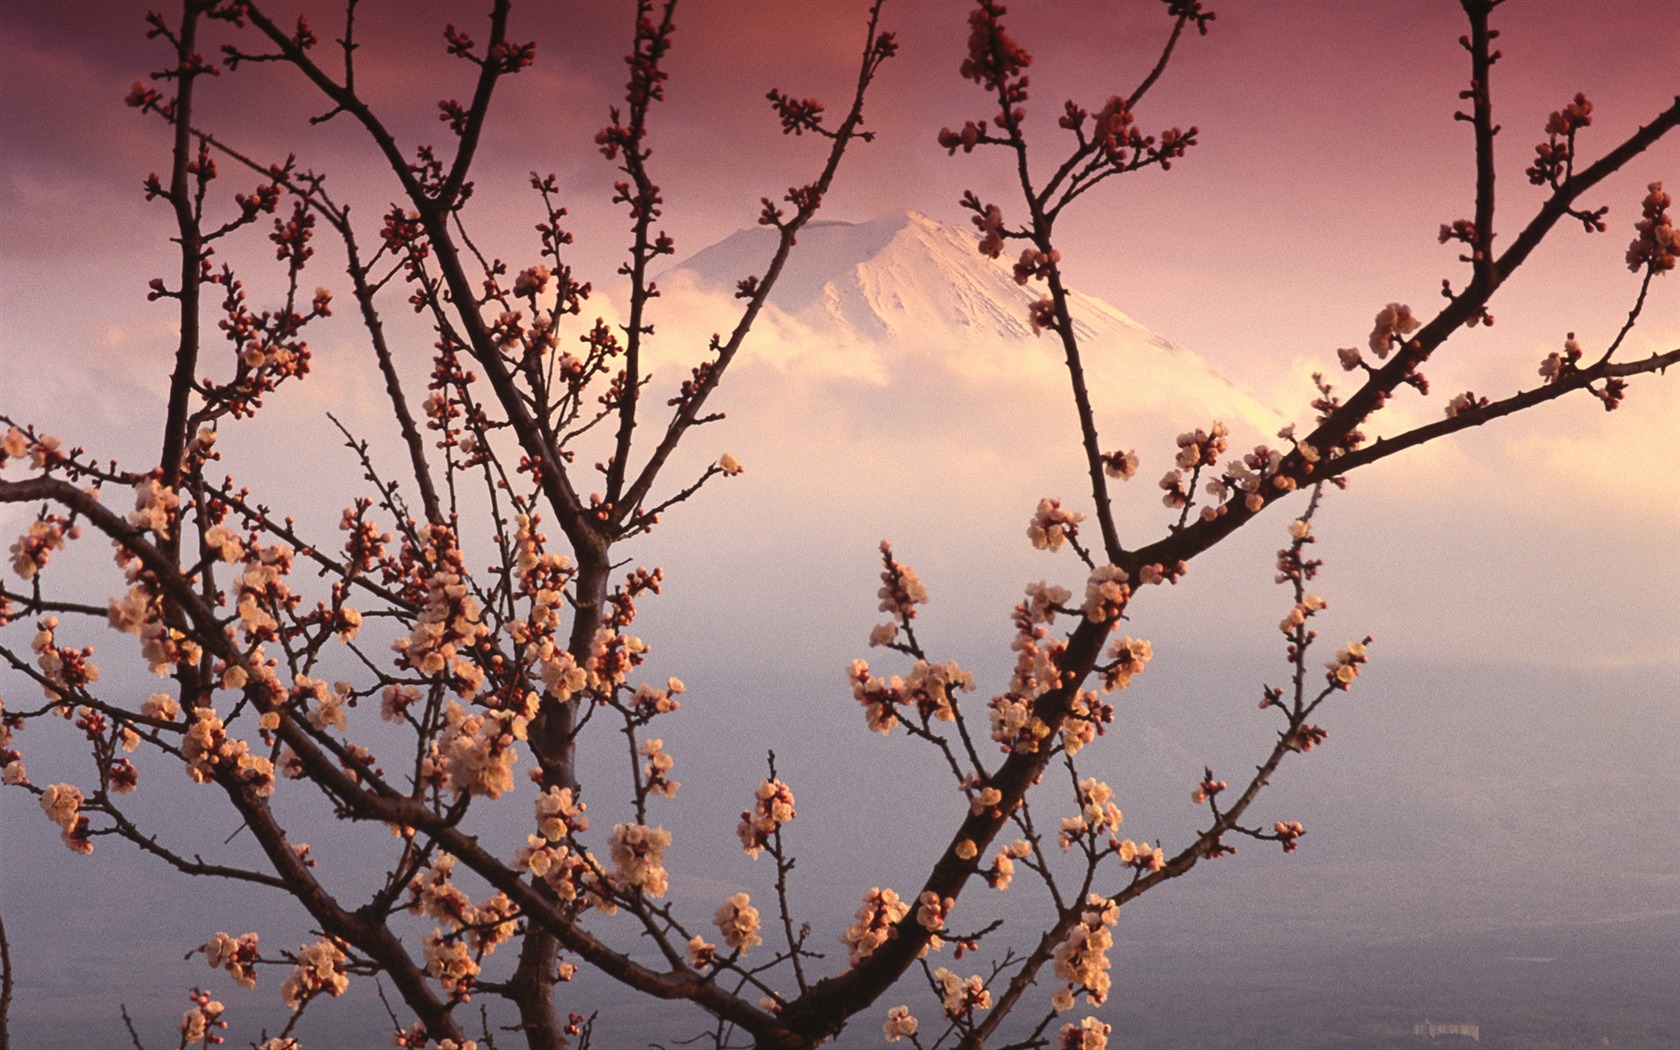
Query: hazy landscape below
x=1558 y=988
x=1462 y=865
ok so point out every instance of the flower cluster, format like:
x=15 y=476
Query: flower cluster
x=1035 y=264
x=14 y=444
x=451 y=964
x=320 y=968
x=971 y=135
x=1553 y=158
x=701 y=952
x=1106 y=594
x=155 y=507
x=558 y=815
x=648 y=700
x=32 y=550
x=11 y=763
x=1015 y=726
x=1307 y=606
x=1463 y=403
x=638 y=856
x=237 y=955
x=961 y=996
x=1289 y=833
x=1461 y=230
x=612 y=657
x=42 y=449
x=900 y=1023
x=1086 y=718
x=203 y=1022
x=876 y=923
x=262 y=590
x=995 y=60
x=901 y=589
x=1305 y=737
x=737 y=920
x=139 y=613
x=658 y=768
x=1114 y=130
x=929 y=688
x=1196 y=449
x=1121 y=466
x=1097 y=813
x=1002 y=871
x=1052 y=525
x=568 y=872
x=1345 y=667
x=224 y=543
x=433 y=893
x=325 y=707
x=1658 y=243
x=1208 y=788
x=161 y=706
x=450 y=624
x=1393 y=321
x=474 y=754
x=1258 y=470
x=1129 y=656
x=62 y=803
x=209 y=750
x=1043 y=601
x=1139 y=855
x=65 y=669
x=474 y=930
x=1202 y=448
x=1291 y=564
x=989 y=220
x=1557 y=365
x=1089 y=1034
x=772 y=808
x=1082 y=957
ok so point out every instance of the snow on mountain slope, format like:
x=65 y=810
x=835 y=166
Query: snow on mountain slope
x=894 y=275
x=907 y=301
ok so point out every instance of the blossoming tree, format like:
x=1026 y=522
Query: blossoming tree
x=487 y=669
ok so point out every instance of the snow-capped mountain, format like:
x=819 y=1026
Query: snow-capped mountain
x=908 y=300
x=892 y=276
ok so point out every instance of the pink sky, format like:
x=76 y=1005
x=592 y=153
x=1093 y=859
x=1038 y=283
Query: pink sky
x=1329 y=153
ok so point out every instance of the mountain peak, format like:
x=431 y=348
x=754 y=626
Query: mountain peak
x=906 y=303
x=892 y=277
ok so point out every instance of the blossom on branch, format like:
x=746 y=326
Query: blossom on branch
x=1052 y=525
x=638 y=856
x=1393 y=321
x=1088 y=1034
x=237 y=955
x=1082 y=956
x=960 y=996
x=62 y=803
x=875 y=923
x=737 y=920
x=899 y=1024
x=772 y=808
x=320 y=968
x=1658 y=243
x=1106 y=594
